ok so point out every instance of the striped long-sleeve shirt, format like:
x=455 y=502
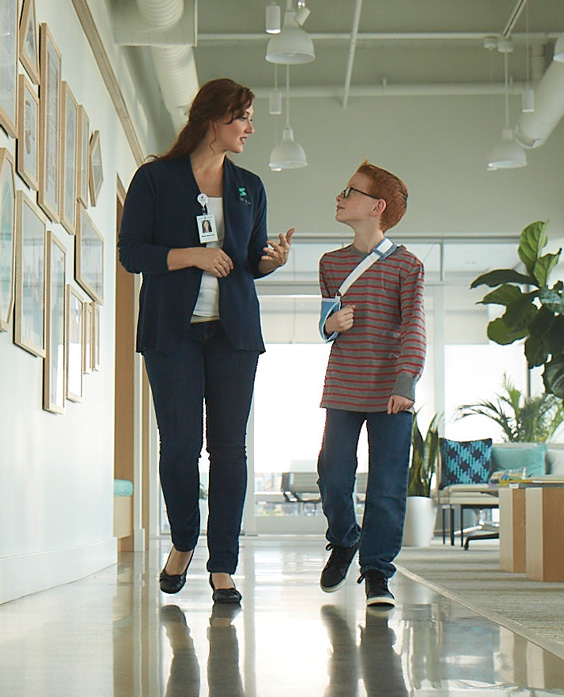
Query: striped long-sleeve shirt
x=384 y=352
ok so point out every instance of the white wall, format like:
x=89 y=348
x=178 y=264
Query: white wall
x=56 y=471
x=437 y=145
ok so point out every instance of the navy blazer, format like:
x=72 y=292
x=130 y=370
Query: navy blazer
x=160 y=214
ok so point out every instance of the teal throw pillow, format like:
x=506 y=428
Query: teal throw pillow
x=515 y=456
x=465 y=462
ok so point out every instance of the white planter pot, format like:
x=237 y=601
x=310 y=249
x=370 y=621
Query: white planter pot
x=420 y=518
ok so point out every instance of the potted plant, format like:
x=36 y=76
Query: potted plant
x=421 y=508
x=522 y=419
x=534 y=310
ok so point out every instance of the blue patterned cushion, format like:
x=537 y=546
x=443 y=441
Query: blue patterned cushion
x=465 y=462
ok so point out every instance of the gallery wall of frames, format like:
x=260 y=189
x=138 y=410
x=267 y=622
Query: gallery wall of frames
x=52 y=314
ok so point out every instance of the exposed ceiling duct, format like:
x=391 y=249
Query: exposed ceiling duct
x=533 y=129
x=169 y=29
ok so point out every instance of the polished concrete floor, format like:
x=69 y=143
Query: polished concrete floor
x=115 y=634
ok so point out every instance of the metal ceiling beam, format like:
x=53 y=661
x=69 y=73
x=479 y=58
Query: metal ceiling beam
x=352 y=49
x=478 y=37
x=387 y=90
x=514 y=16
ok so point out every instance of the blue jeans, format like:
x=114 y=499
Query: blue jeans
x=207 y=368
x=389 y=443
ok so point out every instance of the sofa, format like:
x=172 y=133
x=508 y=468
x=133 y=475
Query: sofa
x=474 y=463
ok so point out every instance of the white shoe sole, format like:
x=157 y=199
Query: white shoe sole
x=334 y=588
x=380 y=602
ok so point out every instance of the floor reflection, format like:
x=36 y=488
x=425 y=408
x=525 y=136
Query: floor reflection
x=114 y=634
x=373 y=660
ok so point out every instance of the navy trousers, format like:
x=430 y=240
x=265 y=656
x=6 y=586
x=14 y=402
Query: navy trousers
x=389 y=443
x=205 y=369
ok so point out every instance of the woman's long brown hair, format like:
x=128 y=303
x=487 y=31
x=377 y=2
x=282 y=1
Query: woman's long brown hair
x=216 y=99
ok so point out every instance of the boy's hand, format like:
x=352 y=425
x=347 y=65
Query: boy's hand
x=341 y=321
x=398 y=403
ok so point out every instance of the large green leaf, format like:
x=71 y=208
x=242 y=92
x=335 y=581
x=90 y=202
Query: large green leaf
x=521 y=311
x=499 y=276
x=554 y=338
x=544 y=266
x=541 y=322
x=499 y=332
x=535 y=351
x=552 y=299
x=531 y=243
x=504 y=295
x=553 y=376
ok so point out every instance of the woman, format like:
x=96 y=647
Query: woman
x=199 y=325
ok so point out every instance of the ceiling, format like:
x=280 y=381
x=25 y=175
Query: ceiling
x=371 y=47
x=365 y=45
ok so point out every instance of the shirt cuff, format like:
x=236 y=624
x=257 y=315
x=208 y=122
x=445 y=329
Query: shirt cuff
x=405 y=386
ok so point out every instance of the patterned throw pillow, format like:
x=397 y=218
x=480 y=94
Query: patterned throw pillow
x=465 y=462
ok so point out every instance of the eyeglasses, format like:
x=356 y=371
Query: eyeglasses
x=345 y=193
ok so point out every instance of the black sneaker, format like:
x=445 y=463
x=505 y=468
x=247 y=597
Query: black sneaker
x=377 y=592
x=335 y=572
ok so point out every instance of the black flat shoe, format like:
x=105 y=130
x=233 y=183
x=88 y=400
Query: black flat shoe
x=173 y=583
x=225 y=595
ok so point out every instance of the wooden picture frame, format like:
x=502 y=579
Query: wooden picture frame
x=95 y=172
x=89 y=257
x=29 y=41
x=27 y=150
x=48 y=195
x=74 y=344
x=54 y=373
x=87 y=343
x=69 y=160
x=83 y=156
x=9 y=66
x=29 y=317
x=7 y=238
x=95 y=336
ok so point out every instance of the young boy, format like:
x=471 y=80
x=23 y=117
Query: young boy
x=375 y=361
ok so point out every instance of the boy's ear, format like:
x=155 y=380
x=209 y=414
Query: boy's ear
x=379 y=207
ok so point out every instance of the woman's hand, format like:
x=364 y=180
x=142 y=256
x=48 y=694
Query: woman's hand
x=211 y=259
x=276 y=254
x=340 y=321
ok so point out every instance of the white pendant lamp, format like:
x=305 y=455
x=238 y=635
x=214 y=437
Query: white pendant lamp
x=287 y=154
x=292 y=45
x=273 y=19
x=507 y=154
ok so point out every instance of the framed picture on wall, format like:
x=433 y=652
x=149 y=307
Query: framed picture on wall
x=83 y=155
x=29 y=317
x=75 y=344
x=95 y=336
x=54 y=373
x=29 y=43
x=87 y=343
x=95 y=173
x=7 y=238
x=69 y=159
x=89 y=261
x=49 y=125
x=8 y=65
x=27 y=150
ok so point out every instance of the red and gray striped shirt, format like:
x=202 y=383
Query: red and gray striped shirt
x=384 y=352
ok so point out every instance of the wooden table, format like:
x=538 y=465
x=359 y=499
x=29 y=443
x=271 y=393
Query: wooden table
x=512 y=542
x=544 y=537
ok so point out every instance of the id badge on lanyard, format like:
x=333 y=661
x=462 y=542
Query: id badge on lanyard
x=206 y=223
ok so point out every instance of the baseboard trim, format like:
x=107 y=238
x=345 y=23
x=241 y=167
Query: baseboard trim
x=31 y=573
